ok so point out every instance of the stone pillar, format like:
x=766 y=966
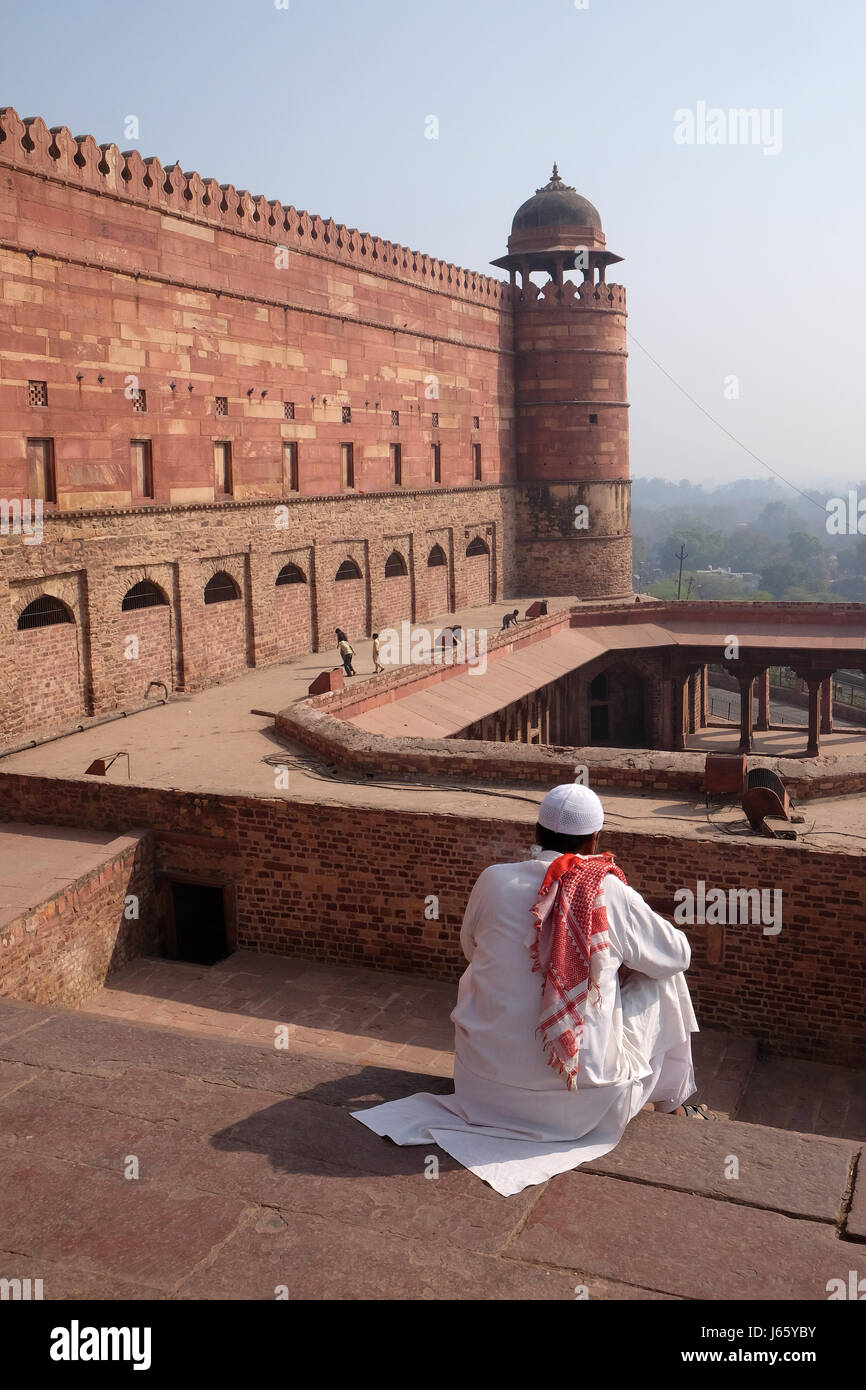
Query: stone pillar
x=746 y=684
x=679 y=708
x=702 y=675
x=827 y=706
x=763 y=721
x=813 y=747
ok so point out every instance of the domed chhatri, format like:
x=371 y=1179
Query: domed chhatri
x=556 y=230
x=557 y=204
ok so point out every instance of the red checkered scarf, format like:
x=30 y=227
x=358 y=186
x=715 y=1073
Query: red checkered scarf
x=572 y=955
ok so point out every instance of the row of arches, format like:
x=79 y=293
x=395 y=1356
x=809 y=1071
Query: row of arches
x=222 y=588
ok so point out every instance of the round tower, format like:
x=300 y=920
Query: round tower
x=573 y=532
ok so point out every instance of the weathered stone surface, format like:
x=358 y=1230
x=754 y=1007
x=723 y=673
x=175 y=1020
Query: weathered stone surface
x=856 y=1224
x=62 y=1281
x=15 y=1074
x=318 y=1259
x=141 y=1231
x=696 y=1247
x=75 y=1042
x=795 y=1173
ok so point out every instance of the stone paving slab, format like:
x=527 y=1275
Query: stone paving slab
x=143 y=1232
x=16 y=1017
x=61 y=1282
x=319 y=1259
x=856 y=1224
x=794 y=1173
x=813 y=1097
x=678 y=1243
x=294 y=1153
x=80 y=1042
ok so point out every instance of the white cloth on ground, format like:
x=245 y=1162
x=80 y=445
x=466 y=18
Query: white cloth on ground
x=511 y=1119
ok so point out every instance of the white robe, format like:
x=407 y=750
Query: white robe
x=512 y=1120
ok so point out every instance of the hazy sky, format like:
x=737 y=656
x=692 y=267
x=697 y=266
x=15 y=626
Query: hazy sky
x=738 y=263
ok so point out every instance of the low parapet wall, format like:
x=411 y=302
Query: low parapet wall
x=384 y=887
x=64 y=948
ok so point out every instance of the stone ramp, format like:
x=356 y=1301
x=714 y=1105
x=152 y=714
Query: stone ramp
x=252 y=1176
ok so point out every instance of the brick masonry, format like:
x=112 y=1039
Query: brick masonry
x=248 y=323
x=349 y=885
x=65 y=948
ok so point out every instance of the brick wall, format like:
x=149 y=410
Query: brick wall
x=225 y=635
x=349 y=885
x=44 y=664
x=152 y=629
x=62 y=951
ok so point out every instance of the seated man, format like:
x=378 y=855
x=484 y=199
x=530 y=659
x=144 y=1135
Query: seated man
x=557 y=1047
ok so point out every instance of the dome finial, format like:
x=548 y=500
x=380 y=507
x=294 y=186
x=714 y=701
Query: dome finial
x=556 y=185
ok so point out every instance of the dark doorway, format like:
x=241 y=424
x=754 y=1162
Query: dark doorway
x=199 y=922
x=599 y=723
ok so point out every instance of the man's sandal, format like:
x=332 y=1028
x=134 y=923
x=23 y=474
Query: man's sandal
x=699 y=1112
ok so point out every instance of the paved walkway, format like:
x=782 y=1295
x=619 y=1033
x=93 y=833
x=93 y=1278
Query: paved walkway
x=379 y=1018
x=144 y=1162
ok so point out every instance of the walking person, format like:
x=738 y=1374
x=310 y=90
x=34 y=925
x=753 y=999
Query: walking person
x=377 y=665
x=347 y=651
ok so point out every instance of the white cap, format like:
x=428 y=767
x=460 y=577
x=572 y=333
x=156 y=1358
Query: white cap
x=571 y=809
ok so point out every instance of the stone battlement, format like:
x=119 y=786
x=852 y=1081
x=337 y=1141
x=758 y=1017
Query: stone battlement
x=79 y=161
x=571 y=296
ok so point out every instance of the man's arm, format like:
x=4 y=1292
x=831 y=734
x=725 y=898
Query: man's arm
x=650 y=945
x=470 y=920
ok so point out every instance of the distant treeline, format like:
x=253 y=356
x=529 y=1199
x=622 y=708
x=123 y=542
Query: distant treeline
x=778 y=540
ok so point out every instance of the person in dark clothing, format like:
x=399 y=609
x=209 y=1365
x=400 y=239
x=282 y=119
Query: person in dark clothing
x=346 y=652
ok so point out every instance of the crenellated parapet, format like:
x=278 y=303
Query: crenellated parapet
x=570 y=296
x=79 y=161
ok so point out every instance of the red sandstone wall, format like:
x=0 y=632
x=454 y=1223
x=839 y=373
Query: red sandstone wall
x=144 y=272
x=62 y=951
x=349 y=884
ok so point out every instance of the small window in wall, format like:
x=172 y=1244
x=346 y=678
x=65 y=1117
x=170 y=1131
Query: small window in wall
x=477 y=547
x=593 y=419
x=349 y=570
x=144 y=594
x=222 y=405
x=476 y=462
x=199 y=923
x=289 y=410
x=37 y=393
x=291 y=574
x=395 y=417
x=397 y=465
x=476 y=422
x=437 y=463
x=290 y=466
x=435 y=419
x=40 y=464
x=142 y=467
x=347 y=414
x=436 y=557
x=222 y=459
x=139 y=401
x=221 y=588
x=43 y=612
x=395 y=565
x=347 y=454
